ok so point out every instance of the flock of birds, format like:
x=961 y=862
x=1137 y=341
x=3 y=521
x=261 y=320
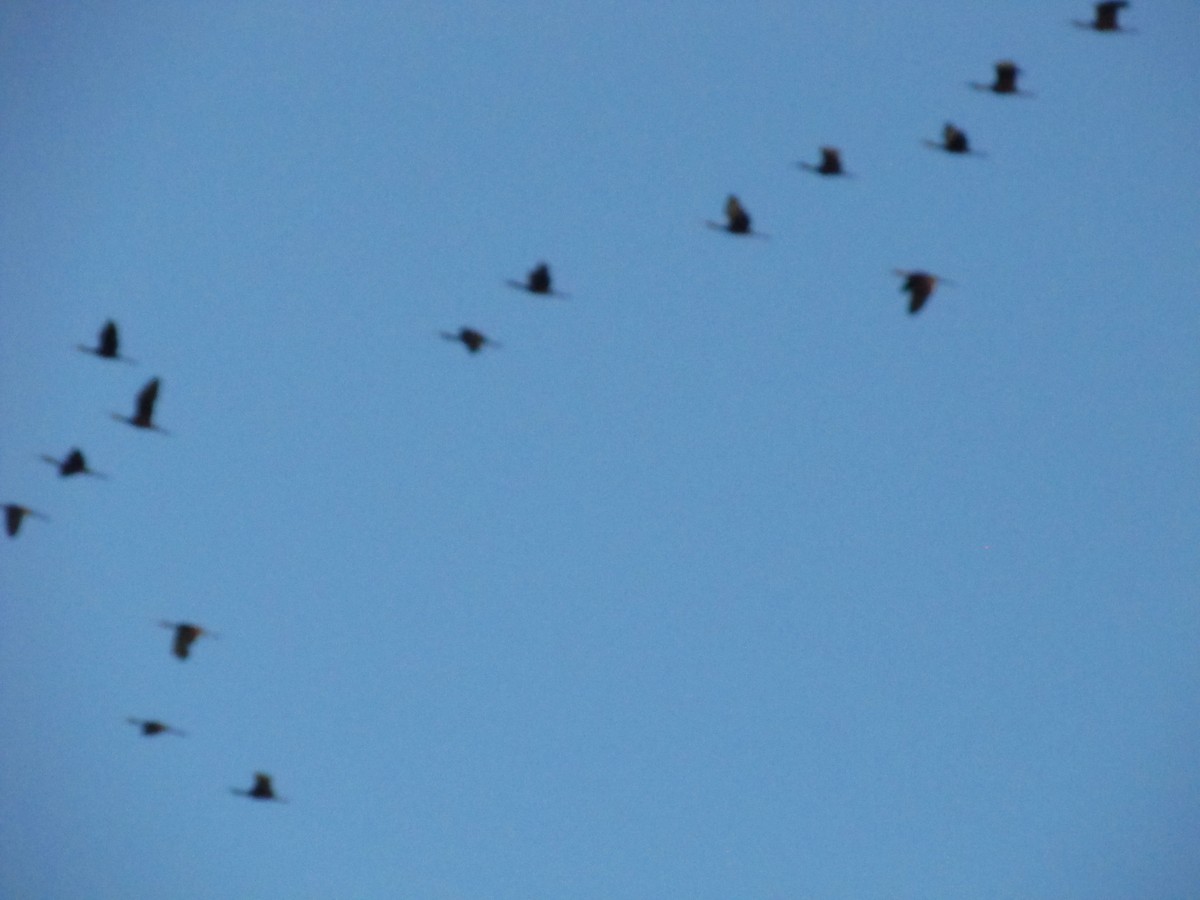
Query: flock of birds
x=919 y=285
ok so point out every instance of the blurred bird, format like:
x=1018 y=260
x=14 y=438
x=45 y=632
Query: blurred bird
x=738 y=219
x=73 y=464
x=954 y=140
x=831 y=163
x=469 y=337
x=143 y=415
x=1106 y=17
x=107 y=344
x=537 y=282
x=15 y=514
x=185 y=635
x=1006 y=80
x=151 y=727
x=262 y=790
x=919 y=286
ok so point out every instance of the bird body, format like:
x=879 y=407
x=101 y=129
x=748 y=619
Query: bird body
x=538 y=281
x=262 y=789
x=14 y=515
x=74 y=463
x=954 y=140
x=185 y=635
x=470 y=338
x=737 y=219
x=831 y=163
x=919 y=286
x=1106 y=17
x=1006 y=80
x=143 y=414
x=107 y=343
x=152 y=727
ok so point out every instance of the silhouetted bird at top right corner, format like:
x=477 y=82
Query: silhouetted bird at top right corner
x=831 y=163
x=1106 y=17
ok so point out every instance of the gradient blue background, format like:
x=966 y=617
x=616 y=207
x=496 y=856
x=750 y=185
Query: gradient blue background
x=722 y=578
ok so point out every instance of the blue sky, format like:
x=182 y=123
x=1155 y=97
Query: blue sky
x=724 y=577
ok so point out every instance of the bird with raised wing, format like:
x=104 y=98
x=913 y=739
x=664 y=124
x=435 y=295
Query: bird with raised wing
x=737 y=219
x=107 y=344
x=185 y=635
x=1106 y=17
x=143 y=414
x=1006 y=80
x=831 y=163
x=537 y=282
x=954 y=140
x=14 y=515
x=74 y=463
x=919 y=286
x=262 y=789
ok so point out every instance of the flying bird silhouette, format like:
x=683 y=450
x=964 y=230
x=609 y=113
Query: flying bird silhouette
x=473 y=340
x=107 y=344
x=151 y=727
x=14 y=515
x=1106 y=17
x=1006 y=80
x=143 y=414
x=262 y=790
x=185 y=635
x=919 y=286
x=73 y=463
x=537 y=282
x=831 y=163
x=738 y=220
x=954 y=140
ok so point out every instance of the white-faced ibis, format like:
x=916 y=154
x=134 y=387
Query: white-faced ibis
x=831 y=163
x=107 y=344
x=262 y=790
x=919 y=286
x=537 y=282
x=14 y=515
x=143 y=414
x=1006 y=80
x=470 y=338
x=152 y=727
x=73 y=463
x=954 y=140
x=1106 y=17
x=185 y=635
x=738 y=220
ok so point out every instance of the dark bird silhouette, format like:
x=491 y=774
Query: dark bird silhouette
x=473 y=340
x=151 y=727
x=185 y=635
x=262 y=790
x=143 y=414
x=919 y=286
x=15 y=514
x=537 y=282
x=1006 y=80
x=954 y=140
x=107 y=344
x=831 y=163
x=1106 y=17
x=73 y=463
x=738 y=220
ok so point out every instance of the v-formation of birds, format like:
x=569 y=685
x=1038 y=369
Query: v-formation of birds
x=919 y=285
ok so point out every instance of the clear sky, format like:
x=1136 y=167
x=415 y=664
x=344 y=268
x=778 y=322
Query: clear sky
x=723 y=577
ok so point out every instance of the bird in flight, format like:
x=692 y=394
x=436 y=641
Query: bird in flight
x=185 y=635
x=831 y=163
x=262 y=790
x=1106 y=17
x=73 y=463
x=151 y=727
x=537 y=282
x=15 y=514
x=1006 y=80
x=107 y=344
x=143 y=414
x=919 y=286
x=738 y=220
x=954 y=140
x=473 y=340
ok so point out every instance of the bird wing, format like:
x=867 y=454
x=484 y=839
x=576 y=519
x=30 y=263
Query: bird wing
x=109 y=341
x=146 y=400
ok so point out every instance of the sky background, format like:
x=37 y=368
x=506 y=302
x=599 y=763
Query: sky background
x=724 y=577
